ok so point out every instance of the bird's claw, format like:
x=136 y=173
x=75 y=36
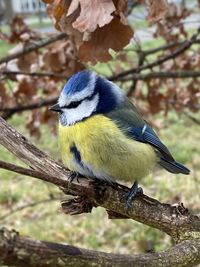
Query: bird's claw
x=74 y=175
x=135 y=190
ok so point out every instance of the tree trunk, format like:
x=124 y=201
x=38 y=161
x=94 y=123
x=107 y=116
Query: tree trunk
x=9 y=11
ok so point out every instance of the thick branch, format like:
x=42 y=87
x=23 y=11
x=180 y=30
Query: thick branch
x=33 y=173
x=33 y=47
x=174 y=220
x=16 y=250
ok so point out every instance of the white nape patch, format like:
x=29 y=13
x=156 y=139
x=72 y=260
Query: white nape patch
x=119 y=94
x=65 y=100
x=84 y=110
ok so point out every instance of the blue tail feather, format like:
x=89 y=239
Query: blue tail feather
x=173 y=167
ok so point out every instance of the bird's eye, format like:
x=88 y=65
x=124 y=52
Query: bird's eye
x=73 y=104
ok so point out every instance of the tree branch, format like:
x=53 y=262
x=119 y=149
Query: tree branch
x=8 y=112
x=165 y=47
x=192 y=118
x=28 y=205
x=162 y=75
x=183 y=47
x=33 y=47
x=30 y=106
x=33 y=74
x=16 y=250
x=133 y=76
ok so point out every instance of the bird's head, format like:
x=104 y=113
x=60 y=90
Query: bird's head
x=84 y=95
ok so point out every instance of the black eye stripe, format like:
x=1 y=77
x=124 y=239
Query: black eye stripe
x=77 y=103
x=73 y=104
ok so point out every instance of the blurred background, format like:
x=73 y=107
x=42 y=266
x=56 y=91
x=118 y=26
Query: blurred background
x=166 y=93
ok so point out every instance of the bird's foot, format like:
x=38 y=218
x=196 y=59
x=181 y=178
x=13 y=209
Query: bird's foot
x=135 y=190
x=74 y=175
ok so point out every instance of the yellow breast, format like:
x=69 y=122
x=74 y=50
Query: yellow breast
x=105 y=151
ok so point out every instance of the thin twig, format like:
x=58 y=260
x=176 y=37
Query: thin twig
x=161 y=75
x=33 y=47
x=184 y=46
x=9 y=112
x=34 y=105
x=166 y=46
x=141 y=60
x=33 y=74
x=192 y=118
x=28 y=205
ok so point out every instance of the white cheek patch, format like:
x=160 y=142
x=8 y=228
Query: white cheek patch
x=87 y=92
x=84 y=110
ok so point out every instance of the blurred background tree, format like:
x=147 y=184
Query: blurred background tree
x=151 y=50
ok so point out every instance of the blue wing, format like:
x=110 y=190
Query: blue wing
x=146 y=134
x=132 y=124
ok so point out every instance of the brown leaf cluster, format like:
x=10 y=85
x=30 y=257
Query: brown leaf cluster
x=20 y=32
x=153 y=96
x=157 y=10
x=175 y=94
x=59 y=58
x=94 y=25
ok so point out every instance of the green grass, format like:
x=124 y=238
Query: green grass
x=4 y=48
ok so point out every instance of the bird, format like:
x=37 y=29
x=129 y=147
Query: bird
x=103 y=136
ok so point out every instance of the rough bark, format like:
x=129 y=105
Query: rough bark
x=173 y=220
x=16 y=250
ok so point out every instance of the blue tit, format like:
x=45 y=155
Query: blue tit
x=103 y=136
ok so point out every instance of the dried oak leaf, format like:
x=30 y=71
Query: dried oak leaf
x=26 y=90
x=25 y=62
x=47 y=117
x=157 y=9
x=93 y=25
x=154 y=97
x=4 y=97
x=63 y=22
x=56 y=9
x=61 y=58
x=93 y=13
x=121 y=7
x=115 y=35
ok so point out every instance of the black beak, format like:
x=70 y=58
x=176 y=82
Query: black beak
x=55 y=108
